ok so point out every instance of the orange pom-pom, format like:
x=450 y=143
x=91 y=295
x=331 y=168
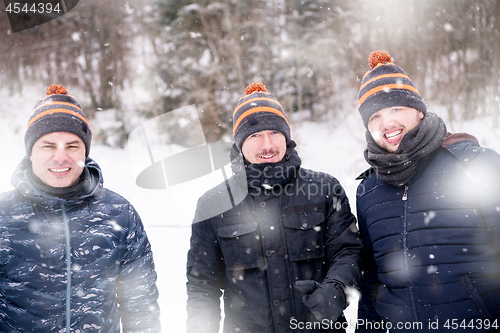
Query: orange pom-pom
x=253 y=87
x=56 y=89
x=378 y=57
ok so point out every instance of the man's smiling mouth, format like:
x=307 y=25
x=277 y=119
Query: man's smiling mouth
x=393 y=134
x=60 y=170
x=267 y=157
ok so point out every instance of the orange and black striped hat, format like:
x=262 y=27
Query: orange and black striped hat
x=386 y=85
x=57 y=112
x=258 y=111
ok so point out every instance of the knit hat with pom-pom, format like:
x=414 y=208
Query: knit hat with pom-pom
x=57 y=112
x=258 y=111
x=386 y=85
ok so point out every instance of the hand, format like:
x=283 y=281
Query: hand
x=325 y=300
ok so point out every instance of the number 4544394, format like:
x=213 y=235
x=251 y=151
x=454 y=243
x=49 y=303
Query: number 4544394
x=455 y=324
x=40 y=8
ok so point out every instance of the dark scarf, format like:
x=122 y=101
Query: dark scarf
x=398 y=168
x=87 y=181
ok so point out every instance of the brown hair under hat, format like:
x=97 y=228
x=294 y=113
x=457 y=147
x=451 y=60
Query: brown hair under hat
x=258 y=111
x=57 y=112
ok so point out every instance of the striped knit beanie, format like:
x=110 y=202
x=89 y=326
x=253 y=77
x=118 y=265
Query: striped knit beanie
x=57 y=112
x=258 y=111
x=386 y=85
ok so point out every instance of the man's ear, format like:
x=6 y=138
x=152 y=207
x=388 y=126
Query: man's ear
x=421 y=114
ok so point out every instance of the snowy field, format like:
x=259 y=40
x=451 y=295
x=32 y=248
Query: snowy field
x=336 y=148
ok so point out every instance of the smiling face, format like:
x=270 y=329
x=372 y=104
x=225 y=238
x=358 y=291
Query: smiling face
x=58 y=159
x=264 y=147
x=389 y=126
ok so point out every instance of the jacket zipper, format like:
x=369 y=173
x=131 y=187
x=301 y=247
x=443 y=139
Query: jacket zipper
x=405 y=253
x=68 y=269
x=405 y=195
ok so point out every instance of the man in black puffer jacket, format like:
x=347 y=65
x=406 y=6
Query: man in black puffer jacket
x=74 y=256
x=429 y=214
x=287 y=250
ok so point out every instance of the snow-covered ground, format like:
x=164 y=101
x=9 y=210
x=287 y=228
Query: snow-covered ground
x=336 y=148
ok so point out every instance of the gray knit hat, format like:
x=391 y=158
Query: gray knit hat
x=258 y=111
x=57 y=112
x=386 y=85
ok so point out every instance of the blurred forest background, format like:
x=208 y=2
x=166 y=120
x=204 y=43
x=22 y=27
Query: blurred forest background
x=311 y=54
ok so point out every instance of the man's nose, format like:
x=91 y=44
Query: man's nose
x=60 y=155
x=267 y=143
x=387 y=121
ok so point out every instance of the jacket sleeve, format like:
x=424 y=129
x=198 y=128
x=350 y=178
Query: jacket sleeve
x=370 y=285
x=205 y=280
x=343 y=244
x=136 y=290
x=483 y=178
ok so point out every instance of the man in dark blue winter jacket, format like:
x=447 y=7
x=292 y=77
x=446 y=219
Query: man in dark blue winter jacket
x=285 y=253
x=429 y=214
x=74 y=256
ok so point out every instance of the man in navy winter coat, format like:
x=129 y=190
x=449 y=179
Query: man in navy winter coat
x=288 y=248
x=74 y=256
x=429 y=214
